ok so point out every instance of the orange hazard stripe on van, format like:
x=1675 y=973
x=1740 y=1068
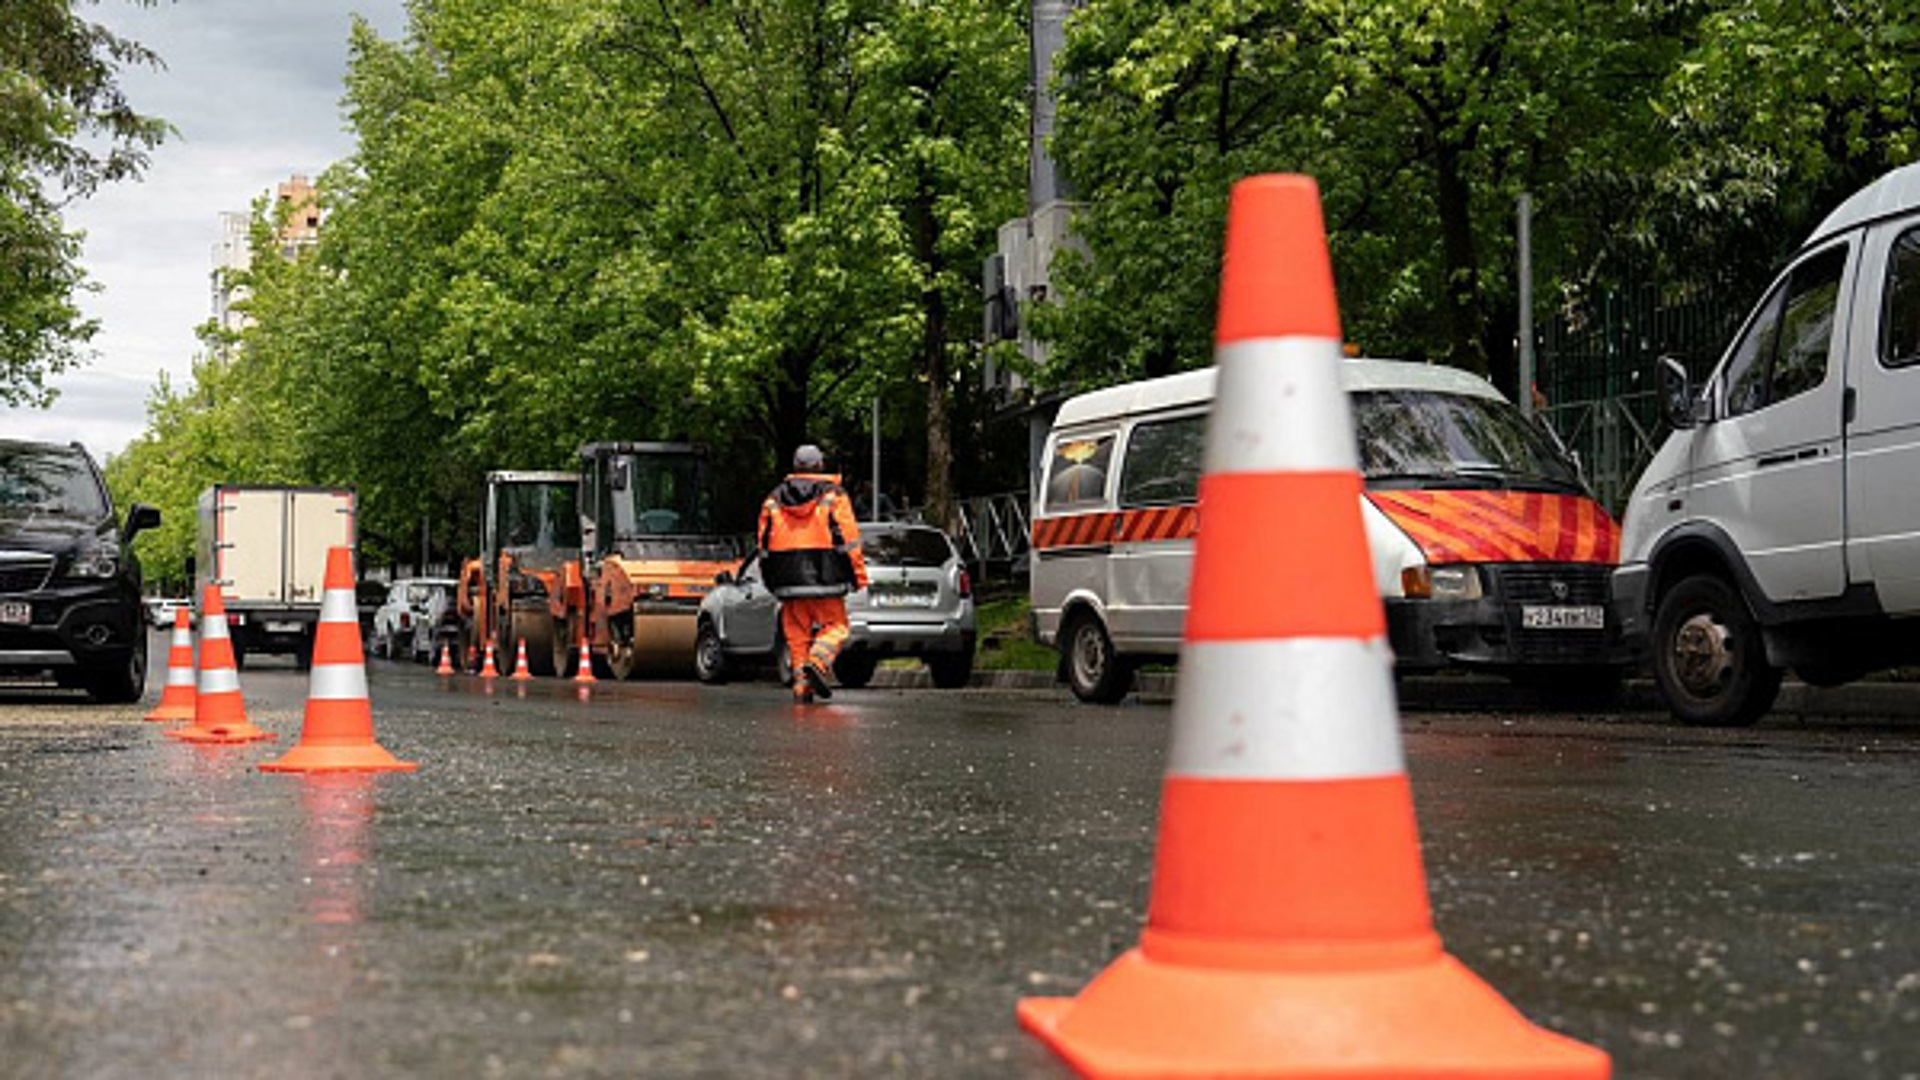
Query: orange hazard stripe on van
x=1502 y=526
x=1109 y=527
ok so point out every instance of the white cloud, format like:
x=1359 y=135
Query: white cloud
x=254 y=88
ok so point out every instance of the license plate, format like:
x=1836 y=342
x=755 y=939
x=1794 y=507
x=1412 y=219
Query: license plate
x=1549 y=617
x=16 y=613
x=902 y=599
x=281 y=627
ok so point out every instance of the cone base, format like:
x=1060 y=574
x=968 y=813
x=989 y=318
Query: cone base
x=369 y=757
x=242 y=732
x=1433 y=1019
x=170 y=713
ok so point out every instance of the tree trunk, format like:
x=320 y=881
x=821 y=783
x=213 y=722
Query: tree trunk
x=1459 y=263
x=933 y=360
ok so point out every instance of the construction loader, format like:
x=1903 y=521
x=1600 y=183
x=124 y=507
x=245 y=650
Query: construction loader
x=511 y=592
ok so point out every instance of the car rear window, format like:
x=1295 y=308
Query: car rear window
x=907 y=547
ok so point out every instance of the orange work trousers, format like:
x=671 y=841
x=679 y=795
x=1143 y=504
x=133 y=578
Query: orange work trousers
x=815 y=628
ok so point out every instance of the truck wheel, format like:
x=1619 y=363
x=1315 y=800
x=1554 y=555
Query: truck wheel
x=1095 y=673
x=854 y=668
x=1708 y=656
x=710 y=654
x=536 y=629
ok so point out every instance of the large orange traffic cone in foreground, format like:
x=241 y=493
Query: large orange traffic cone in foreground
x=1288 y=931
x=176 y=700
x=219 y=716
x=337 y=733
x=520 y=672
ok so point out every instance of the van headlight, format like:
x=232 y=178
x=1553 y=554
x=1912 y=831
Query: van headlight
x=101 y=562
x=1441 y=583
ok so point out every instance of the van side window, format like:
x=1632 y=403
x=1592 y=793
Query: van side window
x=1785 y=350
x=1162 y=466
x=1077 y=474
x=1900 y=322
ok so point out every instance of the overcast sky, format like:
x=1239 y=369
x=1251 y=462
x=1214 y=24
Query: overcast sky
x=254 y=88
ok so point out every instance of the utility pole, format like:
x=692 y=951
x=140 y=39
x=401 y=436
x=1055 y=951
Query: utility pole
x=1524 y=229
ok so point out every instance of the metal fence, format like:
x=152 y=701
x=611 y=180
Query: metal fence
x=994 y=533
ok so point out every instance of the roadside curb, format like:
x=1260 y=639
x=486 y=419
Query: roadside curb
x=1460 y=693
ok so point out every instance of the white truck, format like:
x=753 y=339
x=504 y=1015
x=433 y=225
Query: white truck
x=266 y=548
x=1777 y=527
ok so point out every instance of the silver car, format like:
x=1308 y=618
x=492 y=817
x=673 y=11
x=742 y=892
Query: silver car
x=405 y=623
x=918 y=603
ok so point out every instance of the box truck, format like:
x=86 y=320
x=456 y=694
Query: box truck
x=266 y=548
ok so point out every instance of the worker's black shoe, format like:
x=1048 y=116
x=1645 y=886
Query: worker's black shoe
x=817 y=680
x=803 y=696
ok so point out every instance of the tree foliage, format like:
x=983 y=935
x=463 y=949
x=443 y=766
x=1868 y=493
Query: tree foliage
x=65 y=128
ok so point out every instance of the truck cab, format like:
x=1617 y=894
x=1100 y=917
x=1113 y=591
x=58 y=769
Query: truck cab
x=1776 y=529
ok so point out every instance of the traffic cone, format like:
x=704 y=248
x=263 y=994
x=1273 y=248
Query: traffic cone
x=486 y=667
x=446 y=661
x=219 y=716
x=585 y=672
x=520 y=672
x=1288 y=930
x=176 y=700
x=337 y=732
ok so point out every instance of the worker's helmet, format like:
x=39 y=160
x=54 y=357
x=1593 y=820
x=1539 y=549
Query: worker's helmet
x=809 y=457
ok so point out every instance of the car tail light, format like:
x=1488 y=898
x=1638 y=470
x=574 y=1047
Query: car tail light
x=966 y=585
x=406 y=620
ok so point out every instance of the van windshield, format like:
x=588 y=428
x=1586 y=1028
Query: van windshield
x=1423 y=438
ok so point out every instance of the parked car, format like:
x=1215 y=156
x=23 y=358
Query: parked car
x=160 y=610
x=69 y=581
x=918 y=603
x=404 y=623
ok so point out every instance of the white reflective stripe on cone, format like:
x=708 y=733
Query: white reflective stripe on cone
x=223 y=680
x=1294 y=377
x=180 y=676
x=338 y=682
x=182 y=638
x=338 y=605
x=1286 y=709
x=213 y=629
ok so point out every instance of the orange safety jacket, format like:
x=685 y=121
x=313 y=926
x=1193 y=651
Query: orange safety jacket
x=809 y=540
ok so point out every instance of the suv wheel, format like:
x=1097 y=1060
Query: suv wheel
x=709 y=655
x=1708 y=657
x=124 y=682
x=1094 y=672
x=951 y=671
x=854 y=668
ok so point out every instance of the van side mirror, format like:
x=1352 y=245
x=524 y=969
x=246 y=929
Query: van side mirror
x=1677 y=394
x=140 y=518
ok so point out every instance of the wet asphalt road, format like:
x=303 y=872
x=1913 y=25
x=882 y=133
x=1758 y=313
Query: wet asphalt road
x=671 y=880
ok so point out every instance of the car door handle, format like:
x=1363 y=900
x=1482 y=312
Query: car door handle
x=1783 y=459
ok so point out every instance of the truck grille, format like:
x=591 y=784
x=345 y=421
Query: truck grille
x=24 y=572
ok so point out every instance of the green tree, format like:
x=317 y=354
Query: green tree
x=65 y=128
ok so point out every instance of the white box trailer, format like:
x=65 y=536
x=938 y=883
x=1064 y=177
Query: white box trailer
x=266 y=547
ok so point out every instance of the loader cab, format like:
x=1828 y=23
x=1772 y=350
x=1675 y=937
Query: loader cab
x=642 y=498
x=532 y=515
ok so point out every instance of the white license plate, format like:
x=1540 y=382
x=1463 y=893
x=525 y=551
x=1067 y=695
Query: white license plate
x=16 y=613
x=281 y=627
x=902 y=599
x=1549 y=617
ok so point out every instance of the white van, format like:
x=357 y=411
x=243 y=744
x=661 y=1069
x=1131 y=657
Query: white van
x=1487 y=549
x=1778 y=526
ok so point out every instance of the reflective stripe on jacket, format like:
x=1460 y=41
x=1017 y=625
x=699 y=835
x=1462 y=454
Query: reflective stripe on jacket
x=809 y=540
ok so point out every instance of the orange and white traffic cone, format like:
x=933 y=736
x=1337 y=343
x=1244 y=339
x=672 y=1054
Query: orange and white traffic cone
x=446 y=660
x=520 y=672
x=336 y=734
x=176 y=699
x=219 y=716
x=486 y=667
x=585 y=672
x=1288 y=929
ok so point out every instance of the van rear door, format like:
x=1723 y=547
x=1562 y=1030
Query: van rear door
x=1153 y=554
x=1883 y=440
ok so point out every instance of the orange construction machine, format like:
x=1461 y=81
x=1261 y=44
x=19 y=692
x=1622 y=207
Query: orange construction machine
x=650 y=551
x=529 y=541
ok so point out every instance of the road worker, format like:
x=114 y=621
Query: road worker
x=810 y=557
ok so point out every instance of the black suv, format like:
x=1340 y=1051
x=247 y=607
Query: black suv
x=69 y=584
